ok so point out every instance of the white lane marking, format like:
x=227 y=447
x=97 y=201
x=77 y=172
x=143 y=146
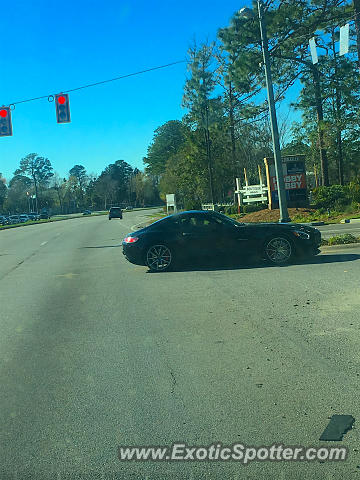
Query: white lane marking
x=43 y=243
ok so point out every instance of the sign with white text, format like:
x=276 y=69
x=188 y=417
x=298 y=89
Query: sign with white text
x=292 y=182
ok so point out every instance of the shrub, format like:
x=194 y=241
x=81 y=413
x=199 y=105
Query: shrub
x=253 y=208
x=192 y=204
x=354 y=189
x=333 y=197
x=342 y=239
x=231 y=210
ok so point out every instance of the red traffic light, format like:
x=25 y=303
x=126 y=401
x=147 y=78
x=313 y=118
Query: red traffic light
x=62 y=108
x=5 y=122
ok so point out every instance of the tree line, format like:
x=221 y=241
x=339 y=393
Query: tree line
x=36 y=186
x=226 y=127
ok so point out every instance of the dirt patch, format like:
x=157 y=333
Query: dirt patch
x=274 y=215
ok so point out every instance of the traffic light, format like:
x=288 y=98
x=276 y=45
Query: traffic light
x=5 y=122
x=62 y=108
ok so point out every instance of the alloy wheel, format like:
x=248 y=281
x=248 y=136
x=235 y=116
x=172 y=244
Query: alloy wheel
x=158 y=258
x=278 y=250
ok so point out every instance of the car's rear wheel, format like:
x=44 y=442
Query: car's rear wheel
x=159 y=258
x=278 y=250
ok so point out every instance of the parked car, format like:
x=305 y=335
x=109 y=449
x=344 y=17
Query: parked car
x=24 y=218
x=87 y=212
x=115 y=212
x=14 y=219
x=3 y=220
x=129 y=207
x=34 y=216
x=44 y=215
x=207 y=236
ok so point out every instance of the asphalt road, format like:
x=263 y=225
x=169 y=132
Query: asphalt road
x=97 y=353
x=328 y=231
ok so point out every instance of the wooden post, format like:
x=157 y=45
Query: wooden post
x=238 y=194
x=246 y=179
x=267 y=170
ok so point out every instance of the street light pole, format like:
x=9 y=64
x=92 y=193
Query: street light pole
x=248 y=13
x=284 y=215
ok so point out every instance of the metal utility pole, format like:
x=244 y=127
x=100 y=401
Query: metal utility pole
x=284 y=215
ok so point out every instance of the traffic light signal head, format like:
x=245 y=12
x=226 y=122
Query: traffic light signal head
x=62 y=108
x=5 y=122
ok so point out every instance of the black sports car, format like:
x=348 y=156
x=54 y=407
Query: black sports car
x=205 y=236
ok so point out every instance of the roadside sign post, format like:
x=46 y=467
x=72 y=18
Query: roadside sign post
x=251 y=193
x=170 y=202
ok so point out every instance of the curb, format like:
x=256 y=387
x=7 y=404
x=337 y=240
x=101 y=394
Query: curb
x=345 y=245
x=313 y=224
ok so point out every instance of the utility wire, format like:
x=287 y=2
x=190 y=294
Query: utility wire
x=102 y=82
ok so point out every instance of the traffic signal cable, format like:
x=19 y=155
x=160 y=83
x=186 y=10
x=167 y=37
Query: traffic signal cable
x=51 y=97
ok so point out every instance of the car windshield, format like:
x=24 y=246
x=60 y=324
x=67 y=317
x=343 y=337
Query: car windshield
x=180 y=296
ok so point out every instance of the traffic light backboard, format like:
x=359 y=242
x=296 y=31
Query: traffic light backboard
x=5 y=122
x=62 y=108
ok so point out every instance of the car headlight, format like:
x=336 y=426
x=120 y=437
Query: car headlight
x=301 y=234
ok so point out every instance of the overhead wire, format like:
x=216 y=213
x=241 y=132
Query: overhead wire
x=99 y=83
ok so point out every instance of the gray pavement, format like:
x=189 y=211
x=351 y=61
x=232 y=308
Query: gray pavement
x=97 y=353
x=328 y=231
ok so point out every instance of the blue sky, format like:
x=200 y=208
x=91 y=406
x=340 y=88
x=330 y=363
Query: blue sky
x=55 y=46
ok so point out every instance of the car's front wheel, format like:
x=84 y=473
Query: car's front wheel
x=159 y=258
x=278 y=250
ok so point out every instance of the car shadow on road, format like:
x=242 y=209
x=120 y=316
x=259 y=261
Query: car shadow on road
x=317 y=260
x=330 y=258
x=105 y=246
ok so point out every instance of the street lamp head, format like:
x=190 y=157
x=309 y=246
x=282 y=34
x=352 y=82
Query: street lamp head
x=246 y=12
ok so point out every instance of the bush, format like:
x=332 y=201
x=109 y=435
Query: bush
x=253 y=208
x=354 y=189
x=334 y=197
x=192 y=204
x=231 y=210
x=343 y=239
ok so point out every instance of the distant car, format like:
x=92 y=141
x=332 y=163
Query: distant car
x=3 y=220
x=208 y=236
x=44 y=215
x=87 y=212
x=115 y=212
x=24 y=218
x=128 y=208
x=34 y=216
x=14 y=219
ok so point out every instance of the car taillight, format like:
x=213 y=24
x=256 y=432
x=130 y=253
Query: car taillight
x=131 y=239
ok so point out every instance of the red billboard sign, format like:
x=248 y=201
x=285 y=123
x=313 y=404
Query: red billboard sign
x=292 y=182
